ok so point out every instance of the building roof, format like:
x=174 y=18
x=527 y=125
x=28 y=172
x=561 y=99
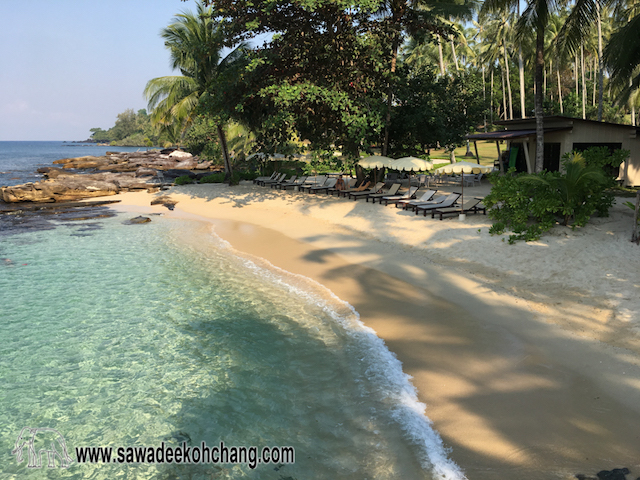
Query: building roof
x=511 y=134
x=560 y=119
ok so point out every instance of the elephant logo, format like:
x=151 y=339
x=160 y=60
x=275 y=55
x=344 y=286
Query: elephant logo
x=38 y=440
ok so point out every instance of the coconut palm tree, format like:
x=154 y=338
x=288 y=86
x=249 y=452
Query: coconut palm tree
x=195 y=42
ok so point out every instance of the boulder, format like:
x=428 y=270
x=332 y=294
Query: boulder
x=146 y=172
x=186 y=164
x=203 y=166
x=180 y=155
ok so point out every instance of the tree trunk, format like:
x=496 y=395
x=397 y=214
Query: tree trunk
x=504 y=96
x=484 y=99
x=387 y=123
x=560 y=91
x=453 y=52
x=523 y=112
x=576 y=73
x=506 y=63
x=595 y=68
x=538 y=99
x=600 y=68
x=491 y=98
x=632 y=103
x=228 y=172
x=440 y=55
x=584 y=85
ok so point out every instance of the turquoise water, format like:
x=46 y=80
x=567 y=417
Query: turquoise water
x=131 y=335
x=128 y=335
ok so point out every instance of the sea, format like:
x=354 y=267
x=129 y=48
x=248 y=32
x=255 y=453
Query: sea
x=156 y=336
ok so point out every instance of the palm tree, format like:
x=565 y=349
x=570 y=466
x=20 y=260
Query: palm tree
x=622 y=54
x=195 y=42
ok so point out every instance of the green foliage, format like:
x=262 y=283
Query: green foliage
x=213 y=178
x=131 y=129
x=526 y=209
x=529 y=204
x=434 y=111
x=202 y=139
x=183 y=180
x=608 y=162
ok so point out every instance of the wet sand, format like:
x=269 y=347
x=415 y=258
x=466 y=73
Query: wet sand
x=520 y=383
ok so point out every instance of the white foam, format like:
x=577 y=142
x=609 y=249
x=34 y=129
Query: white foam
x=384 y=368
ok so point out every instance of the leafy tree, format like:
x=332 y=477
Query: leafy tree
x=195 y=42
x=434 y=112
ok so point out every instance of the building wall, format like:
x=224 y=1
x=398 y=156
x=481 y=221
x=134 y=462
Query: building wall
x=588 y=132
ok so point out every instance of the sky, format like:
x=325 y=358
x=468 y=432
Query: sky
x=67 y=66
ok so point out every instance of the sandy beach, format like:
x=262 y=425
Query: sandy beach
x=527 y=356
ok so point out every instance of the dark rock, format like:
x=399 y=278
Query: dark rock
x=139 y=220
x=172 y=174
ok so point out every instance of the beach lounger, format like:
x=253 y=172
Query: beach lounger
x=278 y=179
x=396 y=198
x=260 y=179
x=447 y=202
x=319 y=182
x=350 y=183
x=329 y=183
x=363 y=186
x=469 y=206
x=393 y=189
x=296 y=183
x=365 y=193
x=425 y=198
x=277 y=184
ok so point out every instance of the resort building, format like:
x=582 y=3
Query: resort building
x=563 y=135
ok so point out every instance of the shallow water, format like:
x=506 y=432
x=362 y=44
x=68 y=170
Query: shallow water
x=126 y=335
x=131 y=335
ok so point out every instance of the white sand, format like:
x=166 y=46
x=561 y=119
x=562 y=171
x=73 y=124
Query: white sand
x=527 y=355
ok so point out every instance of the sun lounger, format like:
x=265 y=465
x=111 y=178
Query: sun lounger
x=363 y=186
x=447 y=202
x=364 y=193
x=351 y=185
x=278 y=179
x=438 y=199
x=392 y=191
x=469 y=206
x=277 y=184
x=260 y=179
x=396 y=198
x=408 y=203
x=328 y=183
x=295 y=183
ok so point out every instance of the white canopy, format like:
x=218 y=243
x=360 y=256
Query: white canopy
x=376 y=161
x=464 y=167
x=411 y=163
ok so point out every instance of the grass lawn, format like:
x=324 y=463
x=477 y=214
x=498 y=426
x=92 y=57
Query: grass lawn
x=486 y=149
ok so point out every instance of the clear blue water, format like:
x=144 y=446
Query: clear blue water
x=136 y=334
x=20 y=160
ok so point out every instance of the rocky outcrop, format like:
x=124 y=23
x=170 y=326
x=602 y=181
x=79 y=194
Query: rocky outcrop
x=112 y=173
x=66 y=186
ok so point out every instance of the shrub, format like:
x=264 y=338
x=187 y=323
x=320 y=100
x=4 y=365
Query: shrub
x=213 y=178
x=529 y=204
x=183 y=180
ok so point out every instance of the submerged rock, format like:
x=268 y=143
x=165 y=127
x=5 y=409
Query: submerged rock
x=138 y=220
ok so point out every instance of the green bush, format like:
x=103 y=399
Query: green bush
x=213 y=178
x=530 y=204
x=183 y=180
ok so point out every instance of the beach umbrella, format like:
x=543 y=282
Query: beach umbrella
x=411 y=164
x=462 y=168
x=376 y=161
